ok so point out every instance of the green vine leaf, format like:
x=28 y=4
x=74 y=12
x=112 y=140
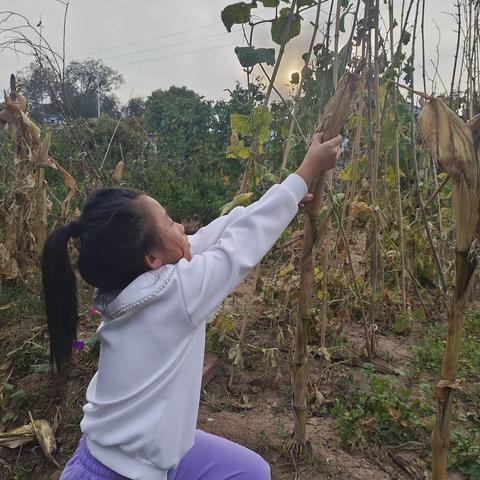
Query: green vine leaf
x=237 y=13
x=262 y=119
x=305 y=3
x=241 y=199
x=270 y=3
x=255 y=128
x=250 y=56
x=342 y=19
x=279 y=25
x=237 y=148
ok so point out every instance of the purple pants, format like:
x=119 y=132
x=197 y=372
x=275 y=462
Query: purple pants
x=210 y=458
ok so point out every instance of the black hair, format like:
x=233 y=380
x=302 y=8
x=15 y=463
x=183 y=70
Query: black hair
x=115 y=233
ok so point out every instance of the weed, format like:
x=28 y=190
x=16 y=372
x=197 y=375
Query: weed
x=431 y=347
x=282 y=430
x=381 y=408
x=17 y=301
x=27 y=355
x=465 y=451
x=11 y=401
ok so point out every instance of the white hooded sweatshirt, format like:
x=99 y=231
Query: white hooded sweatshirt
x=143 y=401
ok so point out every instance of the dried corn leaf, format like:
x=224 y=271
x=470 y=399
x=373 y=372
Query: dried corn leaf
x=118 y=172
x=450 y=141
x=31 y=130
x=466 y=215
x=17 y=437
x=360 y=209
x=7 y=117
x=8 y=266
x=41 y=158
x=16 y=105
x=45 y=436
x=67 y=178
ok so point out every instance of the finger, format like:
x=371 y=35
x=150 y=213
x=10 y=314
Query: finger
x=317 y=138
x=308 y=197
x=336 y=141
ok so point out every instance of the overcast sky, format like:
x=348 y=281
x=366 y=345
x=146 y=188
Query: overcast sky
x=159 y=43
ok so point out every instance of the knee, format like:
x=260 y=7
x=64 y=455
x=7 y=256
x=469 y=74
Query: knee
x=258 y=468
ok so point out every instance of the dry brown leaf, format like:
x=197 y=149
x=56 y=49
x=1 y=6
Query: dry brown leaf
x=31 y=129
x=360 y=208
x=41 y=158
x=17 y=437
x=7 y=117
x=118 y=173
x=46 y=438
x=8 y=265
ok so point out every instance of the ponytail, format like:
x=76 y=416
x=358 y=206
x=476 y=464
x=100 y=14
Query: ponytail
x=60 y=294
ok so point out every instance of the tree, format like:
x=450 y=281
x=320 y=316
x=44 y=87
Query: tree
x=181 y=120
x=84 y=81
x=136 y=107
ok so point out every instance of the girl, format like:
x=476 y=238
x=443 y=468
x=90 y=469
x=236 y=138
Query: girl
x=156 y=288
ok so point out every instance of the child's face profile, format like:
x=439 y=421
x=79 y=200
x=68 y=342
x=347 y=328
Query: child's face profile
x=174 y=241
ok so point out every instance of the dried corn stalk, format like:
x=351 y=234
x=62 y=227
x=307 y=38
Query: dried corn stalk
x=27 y=205
x=331 y=123
x=450 y=141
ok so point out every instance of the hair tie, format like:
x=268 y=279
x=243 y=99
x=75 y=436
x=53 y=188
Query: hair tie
x=74 y=229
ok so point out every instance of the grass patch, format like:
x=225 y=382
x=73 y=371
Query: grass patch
x=18 y=301
x=382 y=409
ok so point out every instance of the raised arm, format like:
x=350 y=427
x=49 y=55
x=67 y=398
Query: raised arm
x=211 y=233
x=211 y=276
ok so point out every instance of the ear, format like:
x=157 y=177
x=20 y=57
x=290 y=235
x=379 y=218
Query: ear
x=152 y=260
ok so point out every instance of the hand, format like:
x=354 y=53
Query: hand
x=307 y=198
x=319 y=158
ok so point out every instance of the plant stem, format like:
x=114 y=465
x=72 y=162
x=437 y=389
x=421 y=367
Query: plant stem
x=298 y=94
x=283 y=42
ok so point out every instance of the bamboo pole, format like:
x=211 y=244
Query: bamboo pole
x=328 y=181
x=397 y=179
x=331 y=123
x=374 y=160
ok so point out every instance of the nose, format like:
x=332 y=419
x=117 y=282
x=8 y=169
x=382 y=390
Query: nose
x=181 y=228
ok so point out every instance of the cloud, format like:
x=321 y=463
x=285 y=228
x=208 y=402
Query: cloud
x=206 y=64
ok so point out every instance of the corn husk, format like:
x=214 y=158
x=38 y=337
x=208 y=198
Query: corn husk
x=20 y=436
x=339 y=107
x=450 y=142
x=45 y=437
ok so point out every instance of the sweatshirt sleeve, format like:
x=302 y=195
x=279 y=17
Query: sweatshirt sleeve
x=211 y=276
x=211 y=233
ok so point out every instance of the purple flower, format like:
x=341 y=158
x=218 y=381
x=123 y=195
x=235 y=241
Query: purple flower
x=78 y=345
